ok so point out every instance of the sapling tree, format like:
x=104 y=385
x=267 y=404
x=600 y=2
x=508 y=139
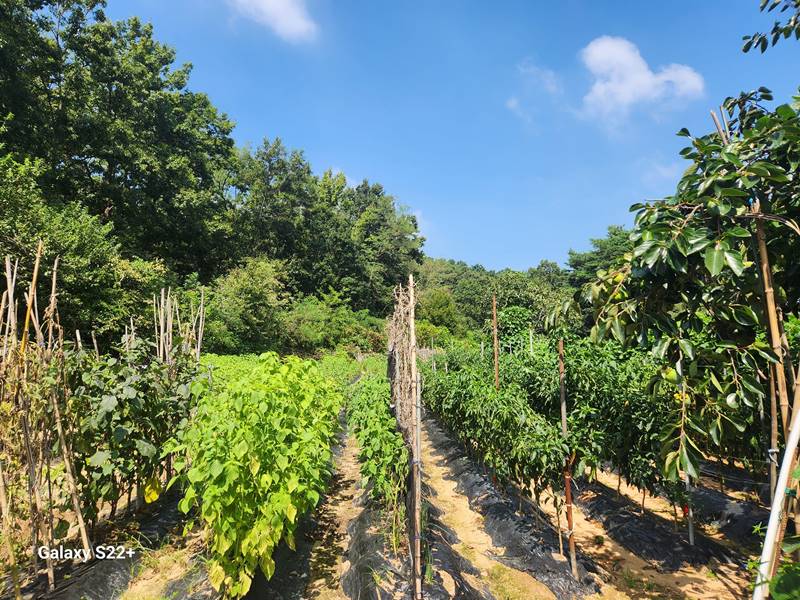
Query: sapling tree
x=710 y=273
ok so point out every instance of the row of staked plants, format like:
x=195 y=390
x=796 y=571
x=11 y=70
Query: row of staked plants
x=255 y=457
x=499 y=427
x=121 y=410
x=383 y=454
x=619 y=413
x=115 y=412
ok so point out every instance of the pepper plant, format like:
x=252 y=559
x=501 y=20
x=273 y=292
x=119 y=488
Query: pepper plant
x=383 y=454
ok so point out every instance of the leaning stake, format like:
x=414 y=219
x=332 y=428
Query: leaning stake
x=567 y=461
x=417 y=473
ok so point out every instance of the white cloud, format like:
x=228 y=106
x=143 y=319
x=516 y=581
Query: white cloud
x=287 y=18
x=541 y=77
x=622 y=79
x=515 y=106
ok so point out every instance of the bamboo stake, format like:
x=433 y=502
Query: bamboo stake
x=567 y=462
x=777 y=511
x=6 y=516
x=689 y=509
x=496 y=345
x=772 y=451
x=202 y=324
x=772 y=317
x=417 y=445
x=20 y=371
x=73 y=488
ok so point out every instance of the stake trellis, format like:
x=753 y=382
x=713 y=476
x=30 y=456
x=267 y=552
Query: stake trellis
x=36 y=437
x=406 y=400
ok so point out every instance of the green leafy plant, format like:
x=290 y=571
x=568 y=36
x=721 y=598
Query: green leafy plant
x=383 y=453
x=258 y=454
x=123 y=409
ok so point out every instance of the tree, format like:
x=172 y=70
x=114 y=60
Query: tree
x=97 y=289
x=245 y=307
x=693 y=288
x=551 y=273
x=781 y=29
x=115 y=128
x=438 y=306
x=388 y=246
x=605 y=253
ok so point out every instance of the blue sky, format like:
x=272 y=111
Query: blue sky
x=514 y=130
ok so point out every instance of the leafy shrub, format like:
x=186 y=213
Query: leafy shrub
x=438 y=307
x=324 y=323
x=244 y=308
x=259 y=450
x=122 y=411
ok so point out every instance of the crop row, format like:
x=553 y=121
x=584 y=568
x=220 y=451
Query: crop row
x=258 y=455
x=500 y=427
x=382 y=452
x=619 y=413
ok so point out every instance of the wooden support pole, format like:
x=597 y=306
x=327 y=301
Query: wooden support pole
x=772 y=318
x=5 y=514
x=777 y=514
x=73 y=488
x=496 y=344
x=567 y=461
x=416 y=450
x=689 y=509
x=772 y=451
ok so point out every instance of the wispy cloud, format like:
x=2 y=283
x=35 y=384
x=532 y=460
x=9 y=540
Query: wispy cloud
x=535 y=82
x=540 y=77
x=515 y=106
x=623 y=79
x=657 y=173
x=289 y=19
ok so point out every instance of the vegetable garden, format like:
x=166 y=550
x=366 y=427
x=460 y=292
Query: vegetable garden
x=627 y=426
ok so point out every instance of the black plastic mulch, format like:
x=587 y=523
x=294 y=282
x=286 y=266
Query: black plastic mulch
x=439 y=542
x=649 y=536
x=527 y=543
x=106 y=579
x=734 y=518
x=374 y=571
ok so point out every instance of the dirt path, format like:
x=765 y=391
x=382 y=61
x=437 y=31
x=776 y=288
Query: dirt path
x=328 y=562
x=632 y=577
x=474 y=544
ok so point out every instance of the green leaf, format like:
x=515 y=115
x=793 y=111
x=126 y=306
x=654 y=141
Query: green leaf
x=108 y=404
x=714 y=260
x=99 y=458
x=687 y=348
x=240 y=449
x=734 y=262
x=145 y=448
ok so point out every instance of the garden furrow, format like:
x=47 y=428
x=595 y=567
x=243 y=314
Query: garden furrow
x=489 y=576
